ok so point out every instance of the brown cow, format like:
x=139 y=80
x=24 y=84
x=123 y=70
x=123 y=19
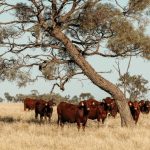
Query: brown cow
x=73 y=113
x=102 y=108
x=29 y=104
x=147 y=107
x=44 y=109
x=144 y=106
x=111 y=106
x=97 y=110
x=135 y=110
x=141 y=104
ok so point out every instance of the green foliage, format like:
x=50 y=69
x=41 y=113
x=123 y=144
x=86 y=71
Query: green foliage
x=21 y=77
x=85 y=96
x=23 y=12
x=8 y=97
x=138 y=5
x=88 y=25
x=96 y=15
x=127 y=40
x=49 y=69
x=9 y=70
x=136 y=86
x=1 y=99
x=6 y=32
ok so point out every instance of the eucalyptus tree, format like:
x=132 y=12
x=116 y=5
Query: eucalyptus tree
x=134 y=86
x=64 y=33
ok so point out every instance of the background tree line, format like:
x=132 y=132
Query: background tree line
x=35 y=95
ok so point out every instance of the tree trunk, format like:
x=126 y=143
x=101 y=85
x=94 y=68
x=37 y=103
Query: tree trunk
x=115 y=92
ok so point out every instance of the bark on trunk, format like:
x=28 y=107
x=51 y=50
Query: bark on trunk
x=115 y=92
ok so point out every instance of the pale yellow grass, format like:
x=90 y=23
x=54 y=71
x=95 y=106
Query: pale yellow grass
x=19 y=131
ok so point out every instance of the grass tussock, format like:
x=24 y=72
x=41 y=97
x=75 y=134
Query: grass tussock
x=20 y=131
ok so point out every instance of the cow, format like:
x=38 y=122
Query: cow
x=102 y=109
x=111 y=106
x=73 y=113
x=144 y=106
x=147 y=107
x=29 y=104
x=135 y=110
x=98 y=110
x=141 y=104
x=44 y=109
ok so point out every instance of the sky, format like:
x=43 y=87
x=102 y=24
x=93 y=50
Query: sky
x=77 y=86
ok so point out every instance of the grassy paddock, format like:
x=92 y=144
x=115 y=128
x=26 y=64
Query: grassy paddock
x=19 y=131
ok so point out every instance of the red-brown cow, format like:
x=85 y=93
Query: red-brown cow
x=73 y=113
x=102 y=108
x=147 y=107
x=144 y=106
x=97 y=110
x=135 y=110
x=111 y=106
x=29 y=104
x=44 y=109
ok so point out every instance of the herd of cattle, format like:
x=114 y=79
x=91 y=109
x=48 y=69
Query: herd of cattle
x=87 y=109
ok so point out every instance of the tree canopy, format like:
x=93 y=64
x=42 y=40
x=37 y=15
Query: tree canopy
x=88 y=24
x=134 y=85
x=64 y=33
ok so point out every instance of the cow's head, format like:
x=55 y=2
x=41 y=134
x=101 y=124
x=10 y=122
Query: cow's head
x=51 y=102
x=84 y=105
x=147 y=104
x=141 y=103
x=91 y=103
x=130 y=103
x=136 y=105
x=110 y=103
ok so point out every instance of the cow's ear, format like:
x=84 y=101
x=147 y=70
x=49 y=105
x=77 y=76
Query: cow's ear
x=82 y=104
x=130 y=104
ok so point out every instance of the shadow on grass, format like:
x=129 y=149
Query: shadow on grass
x=37 y=121
x=8 y=119
x=31 y=121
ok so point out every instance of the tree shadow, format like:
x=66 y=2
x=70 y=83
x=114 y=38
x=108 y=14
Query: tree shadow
x=38 y=122
x=33 y=121
x=8 y=119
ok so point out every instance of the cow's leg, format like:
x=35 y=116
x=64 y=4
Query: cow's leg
x=36 y=115
x=103 y=119
x=50 y=115
x=98 y=120
x=62 y=124
x=83 y=126
x=41 y=118
x=78 y=125
x=45 y=118
x=58 y=121
x=24 y=107
x=98 y=124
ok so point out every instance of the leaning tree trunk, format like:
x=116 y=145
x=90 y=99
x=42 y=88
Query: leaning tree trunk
x=115 y=92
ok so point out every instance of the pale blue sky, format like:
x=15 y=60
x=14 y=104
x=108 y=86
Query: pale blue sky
x=75 y=87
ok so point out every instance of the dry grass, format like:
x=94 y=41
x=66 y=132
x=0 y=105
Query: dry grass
x=19 y=131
